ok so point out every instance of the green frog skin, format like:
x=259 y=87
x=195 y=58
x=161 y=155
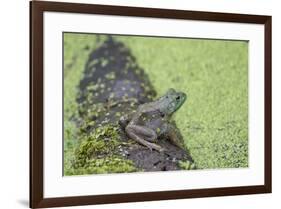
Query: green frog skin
x=152 y=120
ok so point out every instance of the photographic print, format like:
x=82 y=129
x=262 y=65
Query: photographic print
x=143 y=104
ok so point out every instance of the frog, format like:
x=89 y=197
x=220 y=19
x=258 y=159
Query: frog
x=152 y=120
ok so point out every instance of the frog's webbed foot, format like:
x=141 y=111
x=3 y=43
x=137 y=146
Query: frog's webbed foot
x=143 y=136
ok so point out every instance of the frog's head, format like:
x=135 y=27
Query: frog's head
x=172 y=101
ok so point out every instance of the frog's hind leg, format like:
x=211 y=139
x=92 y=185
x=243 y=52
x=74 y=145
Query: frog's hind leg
x=144 y=132
x=143 y=136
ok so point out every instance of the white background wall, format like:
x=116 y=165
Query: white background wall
x=14 y=106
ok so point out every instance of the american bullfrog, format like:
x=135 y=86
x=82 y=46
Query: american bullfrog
x=152 y=120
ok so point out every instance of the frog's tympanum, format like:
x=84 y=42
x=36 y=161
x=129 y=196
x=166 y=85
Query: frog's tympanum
x=152 y=120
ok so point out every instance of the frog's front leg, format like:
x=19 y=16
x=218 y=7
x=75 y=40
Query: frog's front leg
x=144 y=136
x=174 y=135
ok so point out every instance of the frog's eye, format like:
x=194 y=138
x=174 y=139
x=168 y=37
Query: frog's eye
x=178 y=97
